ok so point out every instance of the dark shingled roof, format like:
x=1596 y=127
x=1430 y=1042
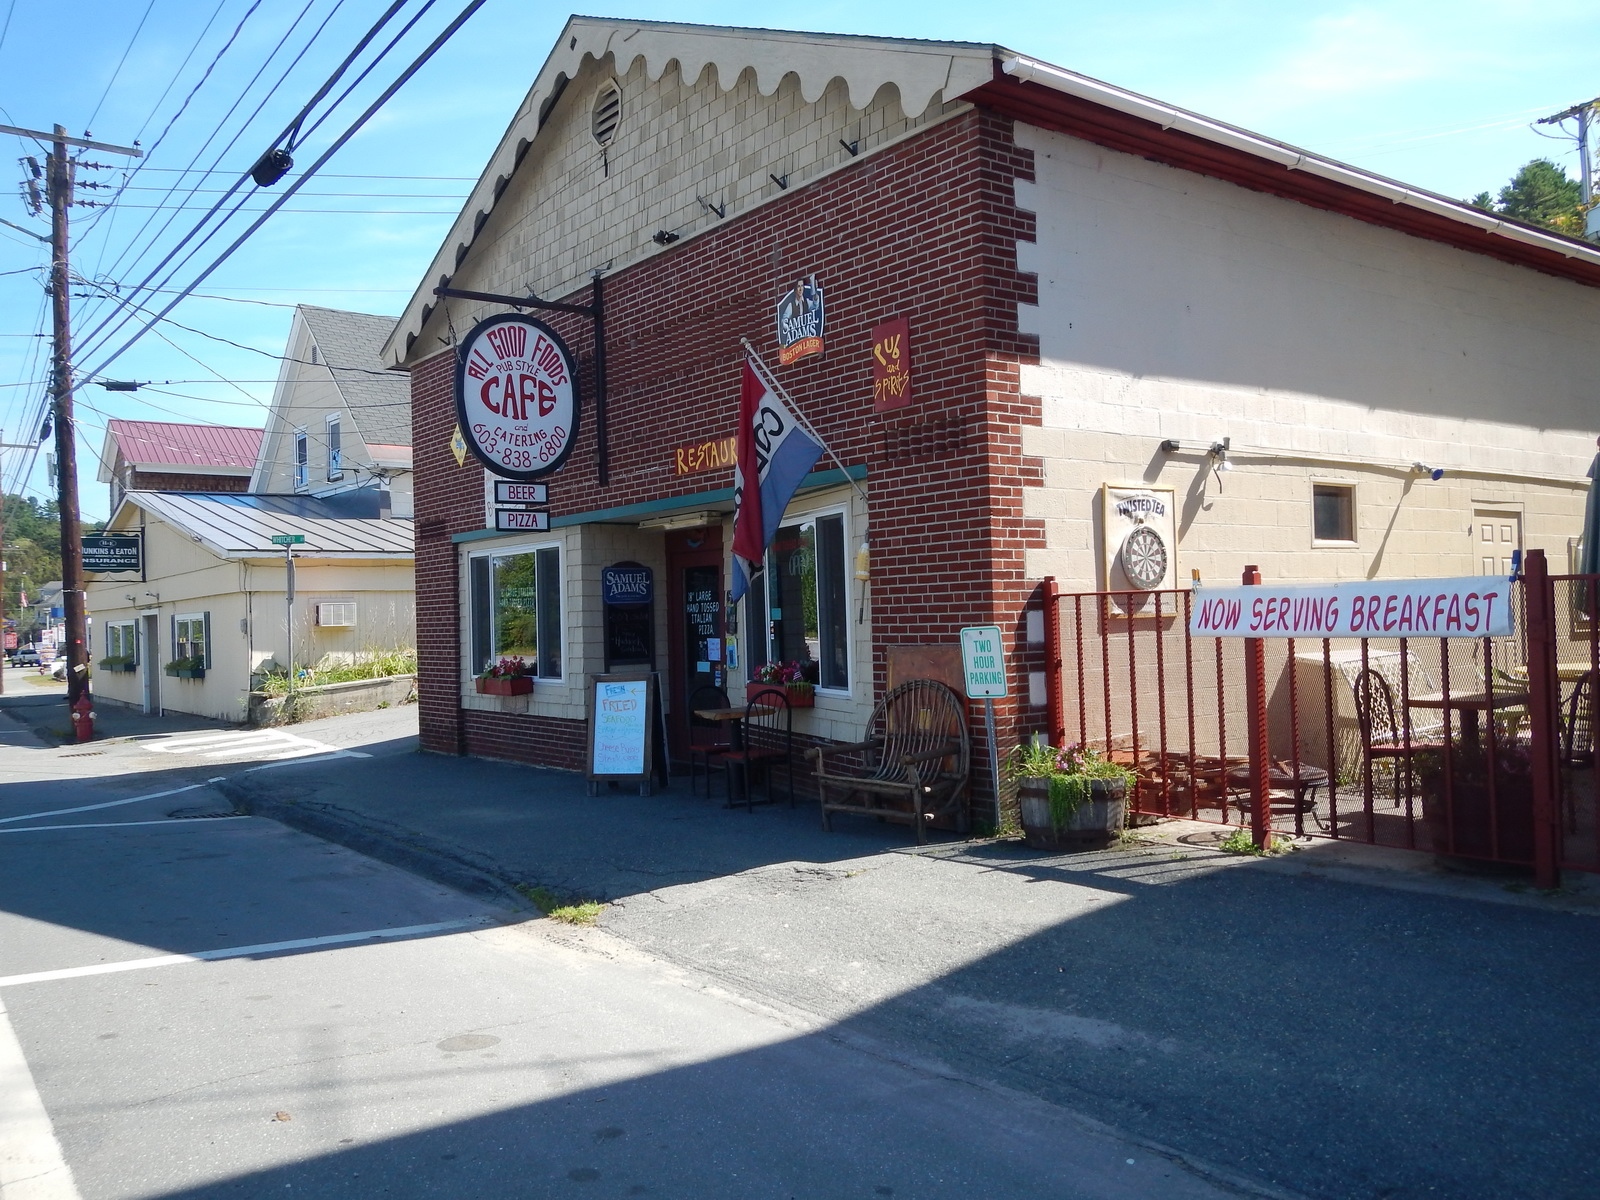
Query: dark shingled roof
x=379 y=400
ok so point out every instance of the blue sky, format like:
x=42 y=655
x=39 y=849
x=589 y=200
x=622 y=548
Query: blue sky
x=1438 y=94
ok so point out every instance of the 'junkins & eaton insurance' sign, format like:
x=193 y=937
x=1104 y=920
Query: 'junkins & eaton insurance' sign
x=517 y=396
x=1477 y=606
x=111 y=552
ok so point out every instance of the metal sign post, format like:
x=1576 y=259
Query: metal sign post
x=288 y=541
x=983 y=664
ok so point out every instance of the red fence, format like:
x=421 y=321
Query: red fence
x=1471 y=748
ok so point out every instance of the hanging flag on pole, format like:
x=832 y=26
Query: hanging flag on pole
x=775 y=452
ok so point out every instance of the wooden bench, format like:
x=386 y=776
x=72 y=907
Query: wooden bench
x=913 y=768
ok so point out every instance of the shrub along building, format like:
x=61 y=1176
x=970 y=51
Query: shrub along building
x=206 y=612
x=1034 y=315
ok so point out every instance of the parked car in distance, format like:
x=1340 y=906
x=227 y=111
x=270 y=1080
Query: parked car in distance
x=25 y=656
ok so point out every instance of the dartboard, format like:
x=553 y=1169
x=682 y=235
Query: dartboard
x=1144 y=558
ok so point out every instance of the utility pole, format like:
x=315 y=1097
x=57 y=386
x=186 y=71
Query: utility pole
x=1588 y=115
x=58 y=185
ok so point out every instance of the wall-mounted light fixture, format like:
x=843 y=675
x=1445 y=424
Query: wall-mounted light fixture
x=1170 y=446
x=781 y=180
x=1433 y=473
x=720 y=209
x=664 y=237
x=688 y=520
x=854 y=148
x=1219 y=454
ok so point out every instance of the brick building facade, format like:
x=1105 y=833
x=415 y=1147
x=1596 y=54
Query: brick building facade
x=891 y=172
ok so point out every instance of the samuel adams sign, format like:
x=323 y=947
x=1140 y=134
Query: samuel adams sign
x=517 y=396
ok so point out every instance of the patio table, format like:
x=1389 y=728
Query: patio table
x=1469 y=705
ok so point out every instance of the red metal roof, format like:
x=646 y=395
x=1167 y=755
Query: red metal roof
x=169 y=444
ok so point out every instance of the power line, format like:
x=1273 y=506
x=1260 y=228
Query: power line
x=286 y=134
x=338 y=143
x=139 y=28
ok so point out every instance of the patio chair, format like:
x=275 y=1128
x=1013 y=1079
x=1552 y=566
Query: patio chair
x=767 y=739
x=913 y=767
x=1577 y=725
x=1382 y=739
x=706 y=738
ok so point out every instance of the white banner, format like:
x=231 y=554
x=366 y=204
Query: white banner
x=1477 y=606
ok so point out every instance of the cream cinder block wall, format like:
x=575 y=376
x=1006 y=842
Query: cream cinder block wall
x=1176 y=306
x=569 y=208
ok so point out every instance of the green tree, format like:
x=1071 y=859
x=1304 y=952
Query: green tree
x=1541 y=194
x=32 y=550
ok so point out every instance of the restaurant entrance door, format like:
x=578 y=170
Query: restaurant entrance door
x=696 y=655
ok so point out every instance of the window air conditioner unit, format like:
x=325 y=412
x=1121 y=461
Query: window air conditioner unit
x=337 y=614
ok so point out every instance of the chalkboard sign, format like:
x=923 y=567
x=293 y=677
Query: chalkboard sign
x=624 y=730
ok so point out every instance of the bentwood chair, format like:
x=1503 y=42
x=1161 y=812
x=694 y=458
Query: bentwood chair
x=767 y=739
x=1577 y=728
x=707 y=739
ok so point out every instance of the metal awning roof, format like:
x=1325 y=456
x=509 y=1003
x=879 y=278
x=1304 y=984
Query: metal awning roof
x=241 y=525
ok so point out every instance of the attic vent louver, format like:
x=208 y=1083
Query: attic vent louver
x=607 y=113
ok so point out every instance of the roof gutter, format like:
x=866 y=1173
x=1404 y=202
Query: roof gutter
x=1031 y=70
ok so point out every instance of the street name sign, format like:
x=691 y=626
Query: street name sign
x=288 y=539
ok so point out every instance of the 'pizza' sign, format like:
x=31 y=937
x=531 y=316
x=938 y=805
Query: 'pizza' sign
x=517 y=396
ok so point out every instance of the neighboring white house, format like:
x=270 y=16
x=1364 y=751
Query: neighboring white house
x=209 y=610
x=339 y=420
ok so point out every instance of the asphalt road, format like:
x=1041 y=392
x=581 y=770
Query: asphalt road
x=199 y=1004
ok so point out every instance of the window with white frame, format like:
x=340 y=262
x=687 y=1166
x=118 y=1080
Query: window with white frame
x=516 y=608
x=302 y=461
x=799 y=610
x=335 y=455
x=122 y=641
x=191 y=638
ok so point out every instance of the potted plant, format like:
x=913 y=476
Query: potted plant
x=117 y=662
x=1072 y=796
x=788 y=678
x=1461 y=821
x=508 y=677
x=187 y=668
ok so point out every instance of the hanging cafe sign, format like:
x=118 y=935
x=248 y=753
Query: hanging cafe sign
x=1476 y=606
x=517 y=396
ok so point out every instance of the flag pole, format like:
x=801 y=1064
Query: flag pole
x=771 y=381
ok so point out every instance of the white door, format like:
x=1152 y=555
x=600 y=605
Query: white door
x=1495 y=536
x=150 y=663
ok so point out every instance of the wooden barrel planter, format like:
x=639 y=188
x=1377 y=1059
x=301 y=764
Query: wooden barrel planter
x=1095 y=822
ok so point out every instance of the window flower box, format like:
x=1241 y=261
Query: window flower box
x=116 y=665
x=507 y=685
x=801 y=695
x=187 y=672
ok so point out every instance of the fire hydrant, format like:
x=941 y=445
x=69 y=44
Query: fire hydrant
x=83 y=719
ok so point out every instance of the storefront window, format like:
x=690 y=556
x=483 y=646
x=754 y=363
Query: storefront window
x=516 y=609
x=189 y=637
x=807 y=616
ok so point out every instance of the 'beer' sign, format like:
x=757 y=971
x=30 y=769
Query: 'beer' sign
x=517 y=396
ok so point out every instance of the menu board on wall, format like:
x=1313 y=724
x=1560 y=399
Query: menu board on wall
x=624 y=730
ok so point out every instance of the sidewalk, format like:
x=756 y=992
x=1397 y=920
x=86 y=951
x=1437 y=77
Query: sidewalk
x=488 y=826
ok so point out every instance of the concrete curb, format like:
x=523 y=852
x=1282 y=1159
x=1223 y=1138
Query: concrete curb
x=398 y=847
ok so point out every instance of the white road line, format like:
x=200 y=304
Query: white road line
x=61 y=812
x=31 y=1165
x=121 y=825
x=171 y=960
